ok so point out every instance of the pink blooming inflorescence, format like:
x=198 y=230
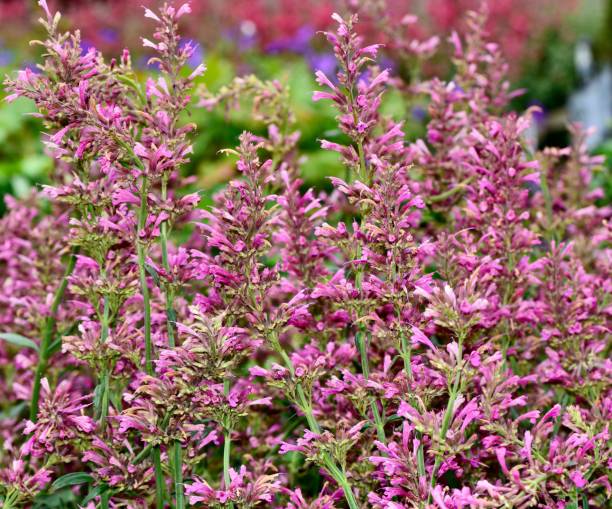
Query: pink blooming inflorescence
x=432 y=333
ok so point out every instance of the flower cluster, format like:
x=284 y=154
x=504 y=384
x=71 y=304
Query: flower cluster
x=432 y=333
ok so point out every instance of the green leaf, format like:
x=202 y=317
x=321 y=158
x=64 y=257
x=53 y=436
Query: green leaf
x=19 y=340
x=14 y=411
x=71 y=479
x=95 y=492
x=122 y=78
x=153 y=273
x=97 y=399
x=115 y=398
x=54 y=347
x=585 y=501
x=60 y=500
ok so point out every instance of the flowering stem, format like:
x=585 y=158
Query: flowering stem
x=227 y=442
x=105 y=500
x=362 y=161
x=330 y=464
x=47 y=336
x=142 y=255
x=303 y=402
x=359 y=141
x=226 y=457
x=159 y=478
x=10 y=499
x=448 y=414
x=406 y=354
x=178 y=476
x=105 y=383
x=548 y=204
x=447 y=194
x=421 y=457
x=343 y=481
x=144 y=288
x=365 y=369
x=362 y=346
x=102 y=411
x=163 y=237
x=227 y=445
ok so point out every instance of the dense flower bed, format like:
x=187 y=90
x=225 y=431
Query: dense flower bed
x=433 y=332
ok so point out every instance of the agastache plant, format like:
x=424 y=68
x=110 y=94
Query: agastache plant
x=433 y=333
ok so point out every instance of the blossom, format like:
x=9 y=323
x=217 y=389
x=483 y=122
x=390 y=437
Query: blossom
x=60 y=419
x=245 y=488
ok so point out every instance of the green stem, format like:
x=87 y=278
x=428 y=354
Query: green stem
x=159 y=478
x=342 y=480
x=362 y=347
x=105 y=382
x=144 y=288
x=227 y=442
x=406 y=355
x=548 y=205
x=105 y=379
x=365 y=369
x=361 y=344
x=178 y=476
x=105 y=500
x=105 y=316
x=143 y=454
x=47 y=336
x=447 y=194
x=585 y=501
x=306 y=407
x=448 y=414
x=362 y=161
x=10 y=500
x=421 y=457
x=380 y=425
x=163 y=237
x=178 y=459
x=227 y=445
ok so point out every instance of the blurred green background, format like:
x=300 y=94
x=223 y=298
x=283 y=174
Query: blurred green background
x=554 y=54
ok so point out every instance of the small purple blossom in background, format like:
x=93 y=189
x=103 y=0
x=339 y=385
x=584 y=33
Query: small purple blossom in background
x=432 y=333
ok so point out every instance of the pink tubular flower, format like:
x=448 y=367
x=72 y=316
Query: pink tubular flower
x=245 y=489
x=60 y=419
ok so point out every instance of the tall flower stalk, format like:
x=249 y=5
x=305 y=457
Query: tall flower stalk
x=48 y=334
